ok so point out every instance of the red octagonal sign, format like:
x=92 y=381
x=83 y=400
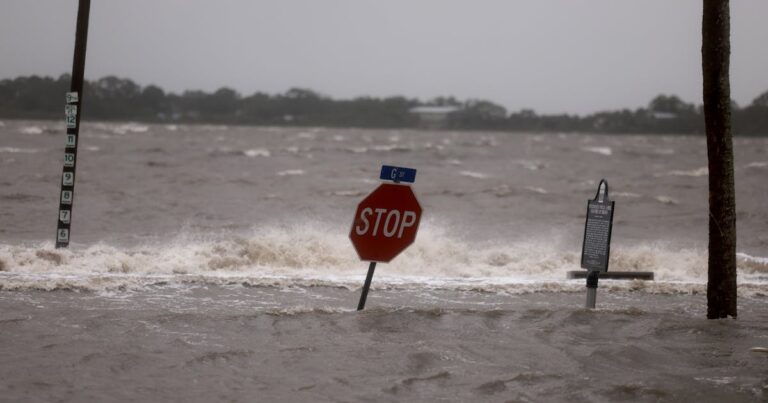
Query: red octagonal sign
x=385 y=222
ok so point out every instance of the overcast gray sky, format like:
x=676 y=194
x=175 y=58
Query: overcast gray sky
x=575 y=56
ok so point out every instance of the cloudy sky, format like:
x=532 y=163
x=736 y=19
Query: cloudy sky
x=575 y=56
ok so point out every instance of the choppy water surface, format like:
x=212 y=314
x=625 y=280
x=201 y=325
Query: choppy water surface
x=212 y=263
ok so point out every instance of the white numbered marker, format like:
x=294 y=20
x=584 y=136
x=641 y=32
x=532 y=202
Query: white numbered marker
x=66 y=197
x=71 y=122
x=63 y=235
x=69 y=160
x=71 y=97
x=64 y=216
x=68 y=179
x=70 y=110
x=71 y=140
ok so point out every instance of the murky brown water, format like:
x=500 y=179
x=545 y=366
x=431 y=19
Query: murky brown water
x=212 y=263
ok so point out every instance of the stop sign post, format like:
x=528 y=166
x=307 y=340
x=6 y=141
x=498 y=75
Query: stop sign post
x=385 y=222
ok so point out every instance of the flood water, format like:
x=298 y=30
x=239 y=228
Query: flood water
x=213 y=263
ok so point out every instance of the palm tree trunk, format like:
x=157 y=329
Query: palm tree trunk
x=715 y=52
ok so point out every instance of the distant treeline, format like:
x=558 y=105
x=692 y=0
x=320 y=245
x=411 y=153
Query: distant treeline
x=113 y=98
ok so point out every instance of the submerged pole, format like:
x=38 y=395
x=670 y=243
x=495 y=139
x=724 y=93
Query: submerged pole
x=592 y=279
x=73 y=111
x=715 y=60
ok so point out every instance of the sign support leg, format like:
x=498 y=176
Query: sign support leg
x=366 y=286
x=592 y=279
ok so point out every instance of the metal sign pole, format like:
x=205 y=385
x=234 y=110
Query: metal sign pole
x=366 y=286
x=73 y=111
x=592 y=279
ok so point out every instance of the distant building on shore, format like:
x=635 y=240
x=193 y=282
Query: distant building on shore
x=433 y=117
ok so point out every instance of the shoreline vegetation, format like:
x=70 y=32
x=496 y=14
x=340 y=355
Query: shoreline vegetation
x=112 y=98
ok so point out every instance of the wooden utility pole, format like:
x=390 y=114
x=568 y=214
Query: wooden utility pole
x=715 y=60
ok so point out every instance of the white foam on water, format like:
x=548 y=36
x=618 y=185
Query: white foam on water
x=129 y=128
x=257 y=152
x=473 y=174
x=291 y=172
x=16 y=150
x=32 y=130
x=347 y=193
x=757 y=164
x=703 y=171
x=666 y=200
x=536 y=190
x=321 y=255
x=598 y=150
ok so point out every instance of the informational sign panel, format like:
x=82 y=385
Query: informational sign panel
x=596 y=247
x=385 y=223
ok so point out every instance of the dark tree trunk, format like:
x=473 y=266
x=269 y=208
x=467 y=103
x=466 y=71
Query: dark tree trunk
x=715 y=52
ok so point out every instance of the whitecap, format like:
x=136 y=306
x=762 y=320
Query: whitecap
x=16 y=150
x=757 y=164
x=536 y=190
x=598 y=150
x=32 y=130
x=666 y=200
x=347 y=193
x=291 y=172
x=257 y=152
x=318 y=254
x=130 y=128
x=703 y=171
x=473 y=174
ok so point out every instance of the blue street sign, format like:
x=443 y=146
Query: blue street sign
x=397 y=174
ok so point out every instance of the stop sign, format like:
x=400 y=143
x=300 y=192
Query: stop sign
x=385 y=222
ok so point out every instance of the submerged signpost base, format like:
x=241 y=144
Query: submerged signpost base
x=592 y=279
x=366 y=286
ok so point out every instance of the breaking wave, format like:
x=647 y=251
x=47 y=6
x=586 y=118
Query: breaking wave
x=309 y=256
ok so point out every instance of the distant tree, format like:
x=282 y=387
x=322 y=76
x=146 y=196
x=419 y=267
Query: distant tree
x=761 y=100
x=670 y=104
x=716 y=49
